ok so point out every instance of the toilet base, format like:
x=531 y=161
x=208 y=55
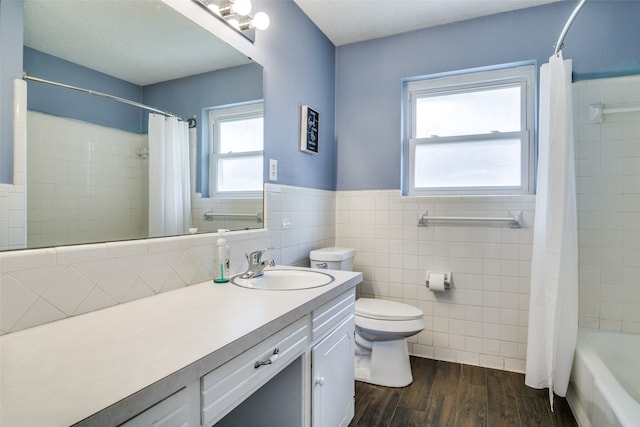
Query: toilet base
x=386 y=363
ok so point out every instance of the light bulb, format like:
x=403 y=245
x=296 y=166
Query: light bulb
x=260 y=21
x=234 y=23
x=214 y=8
x=242 y=7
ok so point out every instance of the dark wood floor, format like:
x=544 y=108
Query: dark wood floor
x=447 y=394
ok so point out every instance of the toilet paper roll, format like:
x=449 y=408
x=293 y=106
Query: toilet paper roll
x=436 y=282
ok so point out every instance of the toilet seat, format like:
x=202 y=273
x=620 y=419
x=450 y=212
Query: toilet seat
x=380 y=309
x=386 y=330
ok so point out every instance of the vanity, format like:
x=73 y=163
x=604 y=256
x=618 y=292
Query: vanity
x=207 y=354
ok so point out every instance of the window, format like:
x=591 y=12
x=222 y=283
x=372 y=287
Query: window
x=236 y=145
x=470 y=134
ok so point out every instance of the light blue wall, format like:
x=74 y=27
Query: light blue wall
x=603 y=41
x=299 y=70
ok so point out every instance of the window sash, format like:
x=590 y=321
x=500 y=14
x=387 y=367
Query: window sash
x=218 y=160
x=522 y=136
x=417 y=96
x=243 y=112
x=218 y=121
x=522 y=76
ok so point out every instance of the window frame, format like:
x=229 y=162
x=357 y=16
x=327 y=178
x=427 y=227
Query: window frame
x=471 y=81
x=227 y=113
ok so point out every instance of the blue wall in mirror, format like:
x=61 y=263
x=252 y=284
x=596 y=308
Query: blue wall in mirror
x=63 y=102
x=186 y=97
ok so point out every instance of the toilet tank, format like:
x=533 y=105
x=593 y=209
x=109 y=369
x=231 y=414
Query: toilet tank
x=333 y=258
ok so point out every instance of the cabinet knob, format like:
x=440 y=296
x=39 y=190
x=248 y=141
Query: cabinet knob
x=320 y=381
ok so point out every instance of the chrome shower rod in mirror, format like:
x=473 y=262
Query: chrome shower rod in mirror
x=25 y=76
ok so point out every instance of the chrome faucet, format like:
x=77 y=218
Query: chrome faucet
x=256 y=264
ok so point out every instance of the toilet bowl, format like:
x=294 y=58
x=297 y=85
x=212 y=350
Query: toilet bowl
x=382 y=329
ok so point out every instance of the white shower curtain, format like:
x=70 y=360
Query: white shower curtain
x=169 y=177
x=553 y=308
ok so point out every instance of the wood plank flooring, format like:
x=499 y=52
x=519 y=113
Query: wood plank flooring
x=447 y=394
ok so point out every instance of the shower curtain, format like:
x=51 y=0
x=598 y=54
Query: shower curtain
x=553 y=308
x=169 y=177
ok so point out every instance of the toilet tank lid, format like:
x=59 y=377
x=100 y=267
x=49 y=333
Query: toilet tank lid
x=382 y=309
x=332 y=254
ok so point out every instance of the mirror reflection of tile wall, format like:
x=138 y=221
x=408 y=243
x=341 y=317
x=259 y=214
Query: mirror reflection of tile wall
x=86 y=183
x=12 y=196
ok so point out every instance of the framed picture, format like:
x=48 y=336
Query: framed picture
x=309 y=125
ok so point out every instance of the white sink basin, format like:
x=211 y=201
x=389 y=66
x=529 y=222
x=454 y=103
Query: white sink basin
x=285 y=280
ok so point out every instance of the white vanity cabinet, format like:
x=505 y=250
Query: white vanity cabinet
x=227 y=356
x=324 y=341
x=332 y=365
x=333 y=378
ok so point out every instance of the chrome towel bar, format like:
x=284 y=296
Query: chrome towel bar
x=514 y=219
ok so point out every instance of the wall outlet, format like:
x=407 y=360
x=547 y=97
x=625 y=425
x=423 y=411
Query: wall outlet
x=273 y=170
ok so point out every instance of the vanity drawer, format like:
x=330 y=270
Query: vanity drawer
x=172 y=411
x=227 y=386
x=327 y=317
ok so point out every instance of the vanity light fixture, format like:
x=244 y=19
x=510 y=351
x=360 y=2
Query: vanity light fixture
x=235 y=7
x=236 y=14
x=260 y=22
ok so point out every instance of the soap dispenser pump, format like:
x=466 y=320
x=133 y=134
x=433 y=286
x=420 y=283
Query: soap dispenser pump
x=221 y=268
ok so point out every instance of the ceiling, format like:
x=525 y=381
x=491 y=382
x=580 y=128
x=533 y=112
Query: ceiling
x=350 y=21
x=139 y=41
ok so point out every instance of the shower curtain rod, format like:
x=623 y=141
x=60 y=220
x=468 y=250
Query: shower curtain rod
x=25 y=76
x=560 y=43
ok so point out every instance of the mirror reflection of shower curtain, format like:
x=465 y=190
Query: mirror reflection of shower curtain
x=169 y=177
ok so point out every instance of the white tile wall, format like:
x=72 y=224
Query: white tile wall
x=299 y=220
x=43 y=285
x=608 y=186
x=86 y=182
x=12 y=196
x=483 y=319
x=200 y=205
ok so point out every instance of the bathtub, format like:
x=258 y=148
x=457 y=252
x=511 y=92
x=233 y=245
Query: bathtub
x=604 y=389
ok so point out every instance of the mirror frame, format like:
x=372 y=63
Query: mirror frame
x=226 y=33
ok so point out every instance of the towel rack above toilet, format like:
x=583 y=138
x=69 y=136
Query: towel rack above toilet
x=514 y=219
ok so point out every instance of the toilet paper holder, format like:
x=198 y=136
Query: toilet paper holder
x=447 y=279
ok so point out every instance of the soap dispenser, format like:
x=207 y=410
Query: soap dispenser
x=221 y=267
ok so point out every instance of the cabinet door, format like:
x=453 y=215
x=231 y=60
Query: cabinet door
x=333 y=380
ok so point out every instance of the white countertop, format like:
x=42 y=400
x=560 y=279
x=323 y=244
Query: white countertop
x=63 y=372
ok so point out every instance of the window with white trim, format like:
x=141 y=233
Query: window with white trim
x=237 y=143
x=470 y=134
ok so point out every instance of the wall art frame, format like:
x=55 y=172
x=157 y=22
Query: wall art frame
x=309 y=126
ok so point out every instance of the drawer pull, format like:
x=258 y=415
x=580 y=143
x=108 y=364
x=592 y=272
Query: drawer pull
x=269 y=361
x=320 y=381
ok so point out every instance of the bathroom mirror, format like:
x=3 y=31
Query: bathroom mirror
x=88 y=156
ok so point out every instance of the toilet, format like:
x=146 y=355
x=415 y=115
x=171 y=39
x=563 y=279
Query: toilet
x=382 y=328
